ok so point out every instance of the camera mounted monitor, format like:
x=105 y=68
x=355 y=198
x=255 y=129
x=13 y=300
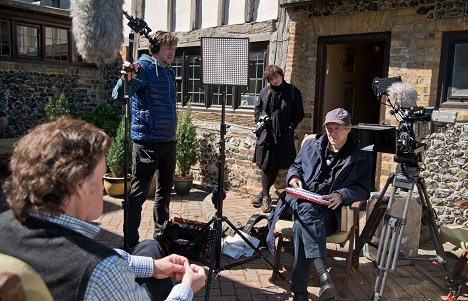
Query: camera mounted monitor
x=376 y=138
x=380 y=85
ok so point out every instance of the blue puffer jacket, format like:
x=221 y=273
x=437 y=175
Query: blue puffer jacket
x=153 y=102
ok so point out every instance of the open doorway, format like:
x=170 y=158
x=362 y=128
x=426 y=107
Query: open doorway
x=346 y=68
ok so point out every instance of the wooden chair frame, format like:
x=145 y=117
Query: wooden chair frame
x=351 y=238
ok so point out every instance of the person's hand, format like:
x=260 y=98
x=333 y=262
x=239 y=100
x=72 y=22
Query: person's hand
x=194 y=276
x=170 y=266
x=129 y=70
x=335 y=200
x=295 y=182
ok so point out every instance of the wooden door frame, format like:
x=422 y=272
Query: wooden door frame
x=322 y=43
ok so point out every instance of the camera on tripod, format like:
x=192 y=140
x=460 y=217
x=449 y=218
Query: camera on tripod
x=263 y=122
x=415 y=123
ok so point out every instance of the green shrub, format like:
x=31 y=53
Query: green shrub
x=115 y=156
x=55 y=108
x=187 y=144
x=104 y=117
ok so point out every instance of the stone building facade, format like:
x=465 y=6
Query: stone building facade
x=29 y=79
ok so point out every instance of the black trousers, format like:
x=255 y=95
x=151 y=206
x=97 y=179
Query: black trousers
x=158 y=289
x=146 y=159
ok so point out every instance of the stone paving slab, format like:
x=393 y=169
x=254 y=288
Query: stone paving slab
x=252 y=280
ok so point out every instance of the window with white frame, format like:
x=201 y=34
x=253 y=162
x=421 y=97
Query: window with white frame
x=190 y=86
x=257 y=66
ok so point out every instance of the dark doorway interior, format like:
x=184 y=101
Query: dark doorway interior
x=346 y=67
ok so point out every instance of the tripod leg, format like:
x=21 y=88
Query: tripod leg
x=216 y=247
x=429 y=216
x=253 y=248
x=372 y=223
x=387 y=255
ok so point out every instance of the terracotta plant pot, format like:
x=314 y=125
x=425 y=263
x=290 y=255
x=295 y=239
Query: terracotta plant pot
x=115 y=186
x=182 y=185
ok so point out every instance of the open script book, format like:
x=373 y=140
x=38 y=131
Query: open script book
x=301 y=193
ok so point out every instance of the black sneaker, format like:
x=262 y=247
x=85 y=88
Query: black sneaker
x=327 y=289
x=266 y=204
x=257 y=202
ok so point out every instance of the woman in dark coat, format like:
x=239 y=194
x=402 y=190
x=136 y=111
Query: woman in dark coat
x=278 y=112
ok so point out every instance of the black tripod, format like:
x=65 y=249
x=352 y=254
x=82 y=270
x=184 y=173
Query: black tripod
x=218 y=219
x=405 y=178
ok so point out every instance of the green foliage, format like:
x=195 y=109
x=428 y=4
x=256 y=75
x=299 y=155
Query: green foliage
x=187 y=144
x=104 y=117
x=115 y=156
x=56 y=108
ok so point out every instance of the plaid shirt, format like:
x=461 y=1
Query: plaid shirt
x=114 y=277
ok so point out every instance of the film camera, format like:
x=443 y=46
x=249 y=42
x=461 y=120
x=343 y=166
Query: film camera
x=263 y=122
x=415 y=123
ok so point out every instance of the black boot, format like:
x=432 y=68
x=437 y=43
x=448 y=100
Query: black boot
x=327 y=289
x=300 y=297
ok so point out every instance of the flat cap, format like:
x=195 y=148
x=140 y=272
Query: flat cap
x=340 y=116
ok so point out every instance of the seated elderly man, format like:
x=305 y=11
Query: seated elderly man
x=55 y=191
x=332 y=165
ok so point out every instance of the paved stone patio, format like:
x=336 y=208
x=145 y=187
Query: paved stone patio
x=251 y=281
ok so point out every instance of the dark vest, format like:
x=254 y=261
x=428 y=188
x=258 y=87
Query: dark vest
x=64 y=258
x=154 y=116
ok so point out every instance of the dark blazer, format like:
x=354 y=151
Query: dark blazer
x=352 y=181
x=291 y=112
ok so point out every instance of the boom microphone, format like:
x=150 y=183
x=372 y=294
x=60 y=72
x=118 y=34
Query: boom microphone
x=97 y=28
x=404 y=93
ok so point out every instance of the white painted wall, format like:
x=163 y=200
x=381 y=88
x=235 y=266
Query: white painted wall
x=156 y=14
x=182 y=15
x=265 y=10
x=234 y=11
x=209 y=13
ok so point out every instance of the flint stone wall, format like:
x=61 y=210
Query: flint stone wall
x=446 y=173
x=26 y=88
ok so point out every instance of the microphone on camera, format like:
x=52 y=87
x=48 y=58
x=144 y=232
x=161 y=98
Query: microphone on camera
x=97 y=26
x=404 y=93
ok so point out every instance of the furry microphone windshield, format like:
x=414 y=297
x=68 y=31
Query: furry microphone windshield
x=98 y=29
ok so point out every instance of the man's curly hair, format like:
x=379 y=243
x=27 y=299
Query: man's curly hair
x=49 y=162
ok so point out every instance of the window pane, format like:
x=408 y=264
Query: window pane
x=5 y=44
x=217 y=95
x=56 y=40
x=195 y=93
x=458 y=88
x=256 y=82
x=177 y=67
x=27 y=40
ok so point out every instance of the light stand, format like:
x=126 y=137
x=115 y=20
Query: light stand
x=224 y=62
x=138 y=26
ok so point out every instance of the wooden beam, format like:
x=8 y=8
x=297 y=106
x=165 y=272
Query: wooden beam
x=249 y=10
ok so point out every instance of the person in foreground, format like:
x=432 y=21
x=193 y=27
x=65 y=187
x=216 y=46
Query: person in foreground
x=280 y=107
x=153 y=131
x=331 y=165
x=55 y=191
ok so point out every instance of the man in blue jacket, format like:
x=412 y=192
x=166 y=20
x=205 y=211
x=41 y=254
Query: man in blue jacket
x=153 y=130
x=331 y=165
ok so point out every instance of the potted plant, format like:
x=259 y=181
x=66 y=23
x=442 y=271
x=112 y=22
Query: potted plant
x=57 y=107
x=186 y=152
x=114 y=181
